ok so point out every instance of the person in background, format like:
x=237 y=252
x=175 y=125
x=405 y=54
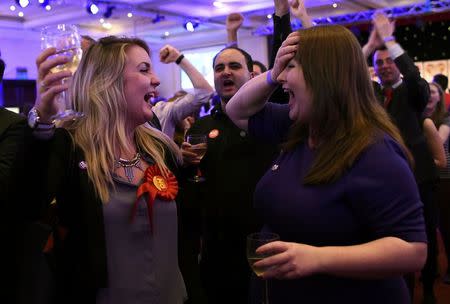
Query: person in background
x=281 y=29
x=405 y=99
x=258 y=68
x=2 y=67
x=86 y=42
x=183 y=104
x=346 y=235
x=12 y=137
x=436 y=110
x=112 y=177
x=221 y=206
x=442 y=80
x=233 y=23
x=434 y=142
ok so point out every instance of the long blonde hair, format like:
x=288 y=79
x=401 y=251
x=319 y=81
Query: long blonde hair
x=345 y=117
x=98 y=91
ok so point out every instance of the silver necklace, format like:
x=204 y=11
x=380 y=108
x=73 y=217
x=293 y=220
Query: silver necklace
x=128 y=164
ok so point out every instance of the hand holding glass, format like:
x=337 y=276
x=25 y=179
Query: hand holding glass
x=67 y=42
x=198 y=144
x=254 y=241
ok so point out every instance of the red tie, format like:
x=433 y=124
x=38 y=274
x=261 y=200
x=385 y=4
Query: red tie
x=387 y=92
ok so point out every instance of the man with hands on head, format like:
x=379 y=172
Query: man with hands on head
x=173 y=113
x=345 y=235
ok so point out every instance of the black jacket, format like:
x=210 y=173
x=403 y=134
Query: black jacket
x=406 y=107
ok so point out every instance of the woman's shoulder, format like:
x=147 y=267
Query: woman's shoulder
x=384 y=152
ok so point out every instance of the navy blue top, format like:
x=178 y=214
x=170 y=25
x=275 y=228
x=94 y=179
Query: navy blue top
x=377 y=197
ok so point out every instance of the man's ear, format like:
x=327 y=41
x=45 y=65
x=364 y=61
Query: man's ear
x=252 y=74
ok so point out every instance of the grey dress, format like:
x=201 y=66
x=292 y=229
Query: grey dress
x=142 y=264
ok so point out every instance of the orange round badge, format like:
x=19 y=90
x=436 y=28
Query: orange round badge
x=160 y=183
x=214 y=133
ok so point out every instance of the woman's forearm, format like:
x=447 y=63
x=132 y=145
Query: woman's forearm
x=384 y=257
x=249 y=100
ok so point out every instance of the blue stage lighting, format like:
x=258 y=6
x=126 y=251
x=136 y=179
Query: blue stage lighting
x=92 y=8
x=44 y=3
x=23 y=3
x=191 y=25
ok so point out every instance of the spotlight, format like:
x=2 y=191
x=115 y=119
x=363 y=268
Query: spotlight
x=44 y=3
x=190 y=26
x=109 y=11
x=23 y=3
x=92 y=8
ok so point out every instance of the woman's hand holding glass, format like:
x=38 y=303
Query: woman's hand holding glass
x=49 y=85
x=288 y=260
x=67 y=43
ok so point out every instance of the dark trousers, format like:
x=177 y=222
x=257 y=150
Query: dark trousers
x=225 y=280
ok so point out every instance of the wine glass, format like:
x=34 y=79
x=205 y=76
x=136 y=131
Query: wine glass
x=254 y=241
x=199 y=145
x=67 y=41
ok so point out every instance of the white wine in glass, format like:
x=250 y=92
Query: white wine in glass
x=67 y=42
x=199 y=145
x=254 y=241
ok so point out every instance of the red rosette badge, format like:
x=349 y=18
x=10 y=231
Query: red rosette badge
x=155 y=185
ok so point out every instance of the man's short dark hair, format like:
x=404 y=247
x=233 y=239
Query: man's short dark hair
x=441 y=80
x=248 y=58
x=261 y=65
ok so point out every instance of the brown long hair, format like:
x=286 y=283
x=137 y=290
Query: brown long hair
x=345 y=117
x=439 y=112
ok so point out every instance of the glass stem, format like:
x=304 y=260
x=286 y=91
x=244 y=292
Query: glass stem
x=266 y=292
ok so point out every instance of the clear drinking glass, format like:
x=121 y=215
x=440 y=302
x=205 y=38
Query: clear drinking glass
x=67 y=41
x=254 y=241
x=199 y=144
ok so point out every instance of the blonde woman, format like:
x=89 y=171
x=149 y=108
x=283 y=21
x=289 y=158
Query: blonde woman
x=113 y=179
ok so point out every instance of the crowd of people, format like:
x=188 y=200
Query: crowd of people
x=352 y=174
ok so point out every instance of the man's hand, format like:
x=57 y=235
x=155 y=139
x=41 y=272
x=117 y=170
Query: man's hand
x=234 y=21
x=383 y=26
x=168 y=54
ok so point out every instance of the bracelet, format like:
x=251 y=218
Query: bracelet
x=269 y=79
x=179 y=59
x=388 y=38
